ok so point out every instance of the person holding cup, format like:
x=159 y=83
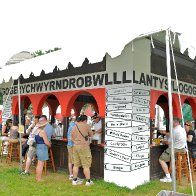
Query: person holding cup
x=97 y=127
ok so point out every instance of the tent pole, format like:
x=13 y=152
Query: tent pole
x=19 y=119
x=170 y=109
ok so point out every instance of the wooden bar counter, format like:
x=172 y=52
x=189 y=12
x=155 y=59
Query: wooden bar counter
x=155 y=167
x=59 y=148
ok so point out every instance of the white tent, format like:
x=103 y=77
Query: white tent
x=49 y=61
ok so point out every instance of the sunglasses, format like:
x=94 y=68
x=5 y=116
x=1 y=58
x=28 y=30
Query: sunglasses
x=187 y=124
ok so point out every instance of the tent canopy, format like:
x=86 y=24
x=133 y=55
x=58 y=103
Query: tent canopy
x=58 y=58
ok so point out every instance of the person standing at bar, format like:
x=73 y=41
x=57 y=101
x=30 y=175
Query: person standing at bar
x=191 y=138
x=42 y=145
x=48 y=128
x=70 y=147
x=31 y=154
x=81 y=150
x=97 y=126
x=179 y=138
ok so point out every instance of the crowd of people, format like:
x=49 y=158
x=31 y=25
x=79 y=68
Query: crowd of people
x=36 y=140
x=38 y=134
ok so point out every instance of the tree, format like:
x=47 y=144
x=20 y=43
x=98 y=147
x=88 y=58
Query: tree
x=1 y=98
x=40 y=52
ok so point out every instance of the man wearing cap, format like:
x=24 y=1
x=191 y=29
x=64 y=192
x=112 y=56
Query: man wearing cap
x=97 y=127
x=179 y=138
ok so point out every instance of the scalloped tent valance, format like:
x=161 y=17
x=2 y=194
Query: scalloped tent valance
x=48 y=62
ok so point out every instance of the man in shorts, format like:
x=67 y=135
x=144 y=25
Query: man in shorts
x=81 y=150
x=179 y=138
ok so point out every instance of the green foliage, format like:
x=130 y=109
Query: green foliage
x=40 y=52
x=187 y=112
x=1 y=98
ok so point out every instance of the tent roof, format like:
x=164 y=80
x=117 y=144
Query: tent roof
x=49 y=61
x=36 y=65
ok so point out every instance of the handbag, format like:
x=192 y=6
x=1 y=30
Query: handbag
x=85 y=137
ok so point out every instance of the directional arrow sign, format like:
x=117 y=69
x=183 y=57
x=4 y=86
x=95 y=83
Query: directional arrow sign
x=119 y=115
x=141 y=110
x=118 y=167
x=119 y=124
x=142 y=119
x=141 y=101
x=120 y=90
x=140 y=138
x=140 y=128
x=141 y=92
x=119 y=99
x=118 y=134
x=117 y=107
x=139 y=165
x=118 y=155
x=118 y=144
x=140 y=146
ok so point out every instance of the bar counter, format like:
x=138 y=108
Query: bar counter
x=60 y=154
x=155 y=167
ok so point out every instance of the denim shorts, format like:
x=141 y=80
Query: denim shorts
x=42 y=152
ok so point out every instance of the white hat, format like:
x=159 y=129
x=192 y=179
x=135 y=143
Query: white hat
x=42 y=122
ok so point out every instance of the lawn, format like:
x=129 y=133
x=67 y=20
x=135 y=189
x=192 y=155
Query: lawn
x=12 y=183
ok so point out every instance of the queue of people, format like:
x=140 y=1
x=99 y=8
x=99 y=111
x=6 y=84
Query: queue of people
x=79 y=135
x=38 y=139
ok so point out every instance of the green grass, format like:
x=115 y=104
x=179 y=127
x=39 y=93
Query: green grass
x=55 y=184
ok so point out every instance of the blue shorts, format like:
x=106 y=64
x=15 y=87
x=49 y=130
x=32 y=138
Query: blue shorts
x=42 y=152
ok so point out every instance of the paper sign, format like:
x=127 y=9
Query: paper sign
x=21 y=129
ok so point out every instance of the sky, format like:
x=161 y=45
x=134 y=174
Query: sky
x=88 y=28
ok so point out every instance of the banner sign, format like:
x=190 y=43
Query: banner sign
x=102 y=80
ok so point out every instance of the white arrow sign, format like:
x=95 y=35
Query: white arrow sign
x=141 y=101
x=118 y=167
x=140 y=138
x=141 y=119
x=113 y=107
x=120 y=90
x=141 y=110
x=139 y=165
x=140 y=155
x=119 y=115
x=118 y=155
x=119 y=134
x=118 y=144
x=140 y=146
x=141 y=92
x=119 y=99
x=140 y=128
x=119 y=124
